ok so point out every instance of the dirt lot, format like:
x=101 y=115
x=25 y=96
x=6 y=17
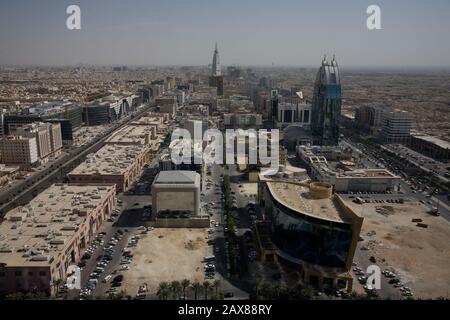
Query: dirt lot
x=167 y=255
x=419 y=256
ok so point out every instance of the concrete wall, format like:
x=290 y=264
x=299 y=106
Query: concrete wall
x=181 y=223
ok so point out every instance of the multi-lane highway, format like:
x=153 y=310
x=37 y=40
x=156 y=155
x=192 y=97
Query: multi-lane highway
x=23 y=192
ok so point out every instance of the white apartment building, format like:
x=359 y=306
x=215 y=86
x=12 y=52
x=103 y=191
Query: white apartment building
x=396 y=126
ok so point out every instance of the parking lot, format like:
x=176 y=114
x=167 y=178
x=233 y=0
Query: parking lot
x=408 y=242
x=167 y=255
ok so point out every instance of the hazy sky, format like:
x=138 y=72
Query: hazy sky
x=249 y=32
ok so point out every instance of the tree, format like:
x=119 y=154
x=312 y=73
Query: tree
x=57 y=284
x=15 y=296
x=185 y=284
x=216 y=285
x=206 y=286
x=308 y=293
x=196 y=287
x=175 y=286
x=257 y=287
x=163 y=291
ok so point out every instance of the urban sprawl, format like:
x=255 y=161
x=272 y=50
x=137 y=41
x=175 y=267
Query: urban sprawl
x=90 y=195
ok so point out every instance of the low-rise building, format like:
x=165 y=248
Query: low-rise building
x=7 y=173
x=341 y=172
x=112 y=164
x=431 y=146
x=39 y=241
x=133 y=135
x=184 y=186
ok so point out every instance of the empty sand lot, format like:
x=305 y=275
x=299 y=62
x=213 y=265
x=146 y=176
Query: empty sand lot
x=419 y=256
x=167 y=255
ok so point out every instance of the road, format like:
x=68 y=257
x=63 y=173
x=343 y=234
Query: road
x=406 y=186
x=214 y=194
x=23 y=192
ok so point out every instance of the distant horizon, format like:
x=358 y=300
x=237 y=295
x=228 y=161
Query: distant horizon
x=224 y=67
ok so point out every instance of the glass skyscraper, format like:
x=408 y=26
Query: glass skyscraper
x=326 y=106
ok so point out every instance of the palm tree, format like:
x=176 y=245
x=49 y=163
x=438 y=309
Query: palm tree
x=57 y=284
x=276 y=291
x=185 y=283
x=196 y=287
x=176 y=288
x=206 y=286
x=257 y=286
x=163 y=291
x=216 y=285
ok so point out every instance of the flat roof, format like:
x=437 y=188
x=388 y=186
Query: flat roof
x=439 y=142
x=149 y=120
x=32 y=234
x=111 y=159
x=178 y=177
x=298 y=198
x=132 y=134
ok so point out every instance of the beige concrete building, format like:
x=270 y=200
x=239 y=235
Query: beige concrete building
x=21 y=151
x=133 y=135
x=56 y=138
x=113 y=164
x=7 y=173
x=176 y=193
x=48 y=137
x=39 y=241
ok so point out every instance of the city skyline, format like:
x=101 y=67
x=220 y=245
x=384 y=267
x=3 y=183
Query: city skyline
x=289 y=33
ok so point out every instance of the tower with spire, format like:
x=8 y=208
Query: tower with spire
x=216 y=71
x=216 y=78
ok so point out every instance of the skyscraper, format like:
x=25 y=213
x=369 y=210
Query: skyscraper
x=216 y=71
x=216 y=78
x=326 y=106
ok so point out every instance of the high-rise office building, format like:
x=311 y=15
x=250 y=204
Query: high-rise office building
x=216 y=78
x=326 y=106
x=216 y=70
x=396 y=126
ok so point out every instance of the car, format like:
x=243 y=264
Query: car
x=118 y=278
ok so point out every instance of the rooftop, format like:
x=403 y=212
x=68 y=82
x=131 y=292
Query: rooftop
x=112 y=159
x=132 y=134
x=31 y=235
x=178 y=177
x=298 y=198
x=441 y=143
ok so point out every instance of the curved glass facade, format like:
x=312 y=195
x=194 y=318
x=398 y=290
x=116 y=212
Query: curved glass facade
x=310 y=239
